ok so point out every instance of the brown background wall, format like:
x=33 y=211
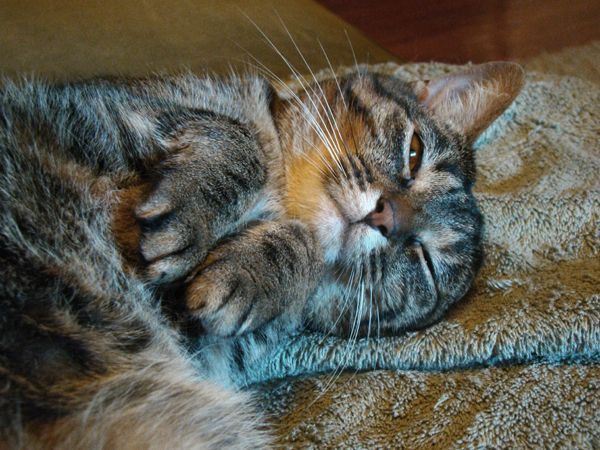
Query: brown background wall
x=471 y=30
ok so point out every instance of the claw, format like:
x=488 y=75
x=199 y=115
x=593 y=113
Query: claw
x=224 y=300
x=161 y=244
x=152 y=210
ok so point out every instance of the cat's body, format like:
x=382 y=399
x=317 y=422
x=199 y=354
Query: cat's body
x=124 y=204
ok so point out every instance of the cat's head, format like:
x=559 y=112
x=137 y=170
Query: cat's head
x=382 y=171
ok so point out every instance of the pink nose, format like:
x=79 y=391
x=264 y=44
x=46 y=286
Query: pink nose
x=382 y=217
x=391 y=216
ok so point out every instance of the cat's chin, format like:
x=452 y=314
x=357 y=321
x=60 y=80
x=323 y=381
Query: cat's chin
x=345 y=242
x=360 y=240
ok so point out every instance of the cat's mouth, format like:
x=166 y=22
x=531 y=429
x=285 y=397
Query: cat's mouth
x=344 y=234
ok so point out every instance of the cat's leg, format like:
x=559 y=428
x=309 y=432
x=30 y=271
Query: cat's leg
x=205 y=168
x=87 y=360
x=266 y=272
x=77 y=388
x=152 y=401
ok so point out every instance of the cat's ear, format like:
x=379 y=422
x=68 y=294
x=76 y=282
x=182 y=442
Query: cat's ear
x=470 y=100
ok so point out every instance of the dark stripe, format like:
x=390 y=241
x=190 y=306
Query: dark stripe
x=429 y=263
x=271 y=252
x=460 y=247
x=358 y=174
x=135 y=340
x=455 y=191
x=260 y=337
x=356 y=106
x=449 y=167
x=373 y=268
x=172 y=121
x=392 y=314
x=245 y=315
x=235 y=285
x=155 y=223
x=238 y=354
x=217 y=193
x=348 y=173
x=239 y=180
x=381 y=91
x=383 y=266
x=80 y=306
x=287 y=254
x=366 y=169
x=397 y=97
x=255 y=169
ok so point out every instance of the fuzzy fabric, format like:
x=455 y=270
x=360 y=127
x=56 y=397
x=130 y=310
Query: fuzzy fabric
x=516 y=363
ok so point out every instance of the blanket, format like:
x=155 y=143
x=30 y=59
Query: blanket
x=517 y=362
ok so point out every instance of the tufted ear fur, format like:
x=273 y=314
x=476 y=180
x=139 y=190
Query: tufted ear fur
x=470 y=100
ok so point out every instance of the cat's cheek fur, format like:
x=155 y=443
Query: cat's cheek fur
x=431 y=182
x=329 y=227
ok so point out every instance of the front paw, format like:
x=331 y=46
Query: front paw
x=173 y=236
x=266 y=272
x=227 y=299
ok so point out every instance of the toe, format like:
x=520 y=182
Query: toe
x=152 y=209
x=171 y=268
x=159 y=244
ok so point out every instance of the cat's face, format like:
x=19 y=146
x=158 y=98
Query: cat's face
x=385 y=181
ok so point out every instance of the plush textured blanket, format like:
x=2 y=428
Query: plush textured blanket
x=516 y=363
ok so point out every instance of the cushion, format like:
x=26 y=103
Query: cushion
x=63 y=39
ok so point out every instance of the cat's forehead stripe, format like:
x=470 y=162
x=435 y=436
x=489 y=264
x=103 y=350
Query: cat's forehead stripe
x=356 y=105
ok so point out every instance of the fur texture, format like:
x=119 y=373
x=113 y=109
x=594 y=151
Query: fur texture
x=140 y=213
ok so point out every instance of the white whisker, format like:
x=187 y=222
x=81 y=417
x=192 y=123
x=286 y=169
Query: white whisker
x=327 y=108
x=327 y=140
x=370 y=310
x=353 y=54
x=339 y=367
x=334 y=74
x=300 y=107
x=340 y=88
x=352 y=339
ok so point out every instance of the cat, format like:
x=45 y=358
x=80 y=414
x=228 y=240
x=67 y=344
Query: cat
x=139 y=215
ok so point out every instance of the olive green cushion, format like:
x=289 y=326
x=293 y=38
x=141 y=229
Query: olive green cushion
x=67 y=39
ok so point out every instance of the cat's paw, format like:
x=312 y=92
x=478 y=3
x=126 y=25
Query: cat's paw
x=228 y=298
x=173 y=235
x=265 y=273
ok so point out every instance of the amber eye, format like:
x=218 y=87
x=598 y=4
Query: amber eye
x=415 y=155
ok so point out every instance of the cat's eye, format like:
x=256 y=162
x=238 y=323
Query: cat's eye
x=415 y=154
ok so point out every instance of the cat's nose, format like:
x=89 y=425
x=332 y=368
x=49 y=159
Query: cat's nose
x=382 y=217
x=390 y=217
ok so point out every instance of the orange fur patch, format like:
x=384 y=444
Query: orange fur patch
x=307 y=173
x=304 y=186
x=125 y=227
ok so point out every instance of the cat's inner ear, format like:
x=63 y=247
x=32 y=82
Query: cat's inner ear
x=470 y=100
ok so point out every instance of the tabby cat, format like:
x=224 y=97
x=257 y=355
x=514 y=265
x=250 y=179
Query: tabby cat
x=141 y=216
